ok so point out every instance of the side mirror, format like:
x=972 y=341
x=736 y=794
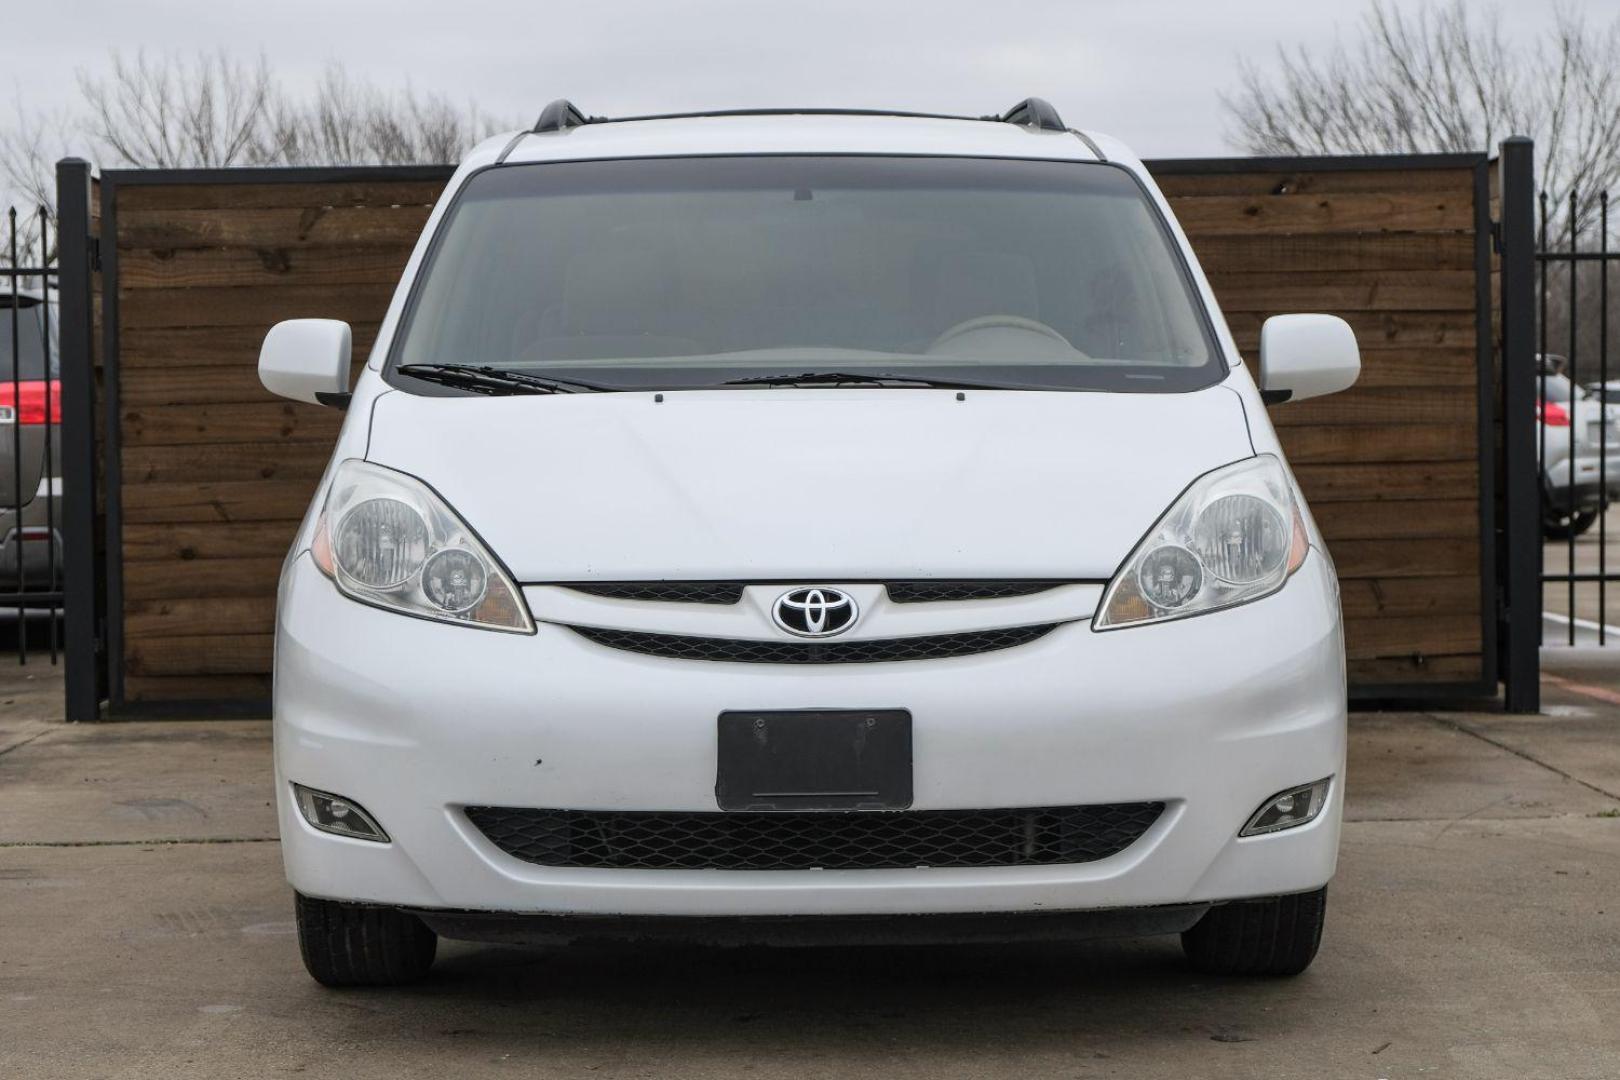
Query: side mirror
x=1304 y=356
x=308 y=360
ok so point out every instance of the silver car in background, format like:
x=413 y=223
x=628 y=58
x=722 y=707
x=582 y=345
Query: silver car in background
x=1579 y=446
x=30 y=451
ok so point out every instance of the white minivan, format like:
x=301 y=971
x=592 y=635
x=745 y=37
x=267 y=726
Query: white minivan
x=807 y=525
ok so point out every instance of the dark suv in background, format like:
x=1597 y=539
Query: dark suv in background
x=30 y=451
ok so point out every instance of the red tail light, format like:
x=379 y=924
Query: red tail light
x=26 y=401
x=1552 y=414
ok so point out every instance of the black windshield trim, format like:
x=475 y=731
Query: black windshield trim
x=1163 y=380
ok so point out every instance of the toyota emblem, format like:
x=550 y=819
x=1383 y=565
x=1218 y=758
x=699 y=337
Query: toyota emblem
x=815 y=611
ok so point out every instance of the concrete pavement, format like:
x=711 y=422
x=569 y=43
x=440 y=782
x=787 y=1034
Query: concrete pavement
x=1474 y=931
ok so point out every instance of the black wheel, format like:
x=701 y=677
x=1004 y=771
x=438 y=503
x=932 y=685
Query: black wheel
x=1278 y=936
x=1560 y=525
x=359 y=945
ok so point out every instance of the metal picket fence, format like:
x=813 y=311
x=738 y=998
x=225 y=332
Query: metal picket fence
x=1578 y=410
x=30 y=439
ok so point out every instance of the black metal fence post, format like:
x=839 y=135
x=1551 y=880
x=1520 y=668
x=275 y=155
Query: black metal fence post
x=1521 y=519
x=76 y=258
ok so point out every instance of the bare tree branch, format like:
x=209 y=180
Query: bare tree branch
x=1447 y=80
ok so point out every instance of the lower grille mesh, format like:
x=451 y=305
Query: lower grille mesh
x=836 y=840
x=742 y=651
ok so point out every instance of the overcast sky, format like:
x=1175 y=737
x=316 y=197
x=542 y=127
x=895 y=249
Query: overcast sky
x=1147 y=71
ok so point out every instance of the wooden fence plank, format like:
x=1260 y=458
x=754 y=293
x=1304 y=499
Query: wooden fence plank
x=190 y=688
x=204 y=577
x=213 y=616
x=1383 y=481
x=1326 y=443
x=347 y=227
x=203 y=384
x=1457 y=594
x=1272 y=253
x=263 y=267
x=1395 y=519
x=225 y=501
x=1406 y=635
x=255 y=307
x=194 y=346
x=275 y=195
x=1215 y=215
x=216 y=654
x=270 y=422
x=210 y=462
x=1340 y=291
x=1457 y=369
x=1382 y=406
x=1375 y=329
x=1406 y=558
x=1457 y=182
x=186 y=543
x=1416 y=669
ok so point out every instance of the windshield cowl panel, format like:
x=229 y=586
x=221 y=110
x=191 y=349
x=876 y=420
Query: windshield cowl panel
x=681 y=273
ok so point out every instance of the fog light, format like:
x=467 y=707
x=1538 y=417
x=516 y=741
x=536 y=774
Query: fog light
x=335 y=814
x=1288 y=808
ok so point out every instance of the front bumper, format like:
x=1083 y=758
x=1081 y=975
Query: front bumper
x=415 y=720
x=1588 y=484
x=31 y=547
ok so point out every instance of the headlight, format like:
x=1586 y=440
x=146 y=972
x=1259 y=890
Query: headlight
x=386 y=539
x=1235 y=535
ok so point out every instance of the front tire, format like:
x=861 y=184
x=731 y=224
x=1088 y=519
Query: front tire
x=1278 y=936
x=359 y=945
x=1561 y=525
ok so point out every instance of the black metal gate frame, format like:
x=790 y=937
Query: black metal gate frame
x=1520 y=510
x=93 y=587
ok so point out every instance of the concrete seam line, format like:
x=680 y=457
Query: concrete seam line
x=19 y=745
x=1455 y=726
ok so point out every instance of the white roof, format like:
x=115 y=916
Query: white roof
x=797 y=133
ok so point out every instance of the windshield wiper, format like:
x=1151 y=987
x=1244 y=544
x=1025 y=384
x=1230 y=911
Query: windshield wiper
x=493 y=380
x=814 y=378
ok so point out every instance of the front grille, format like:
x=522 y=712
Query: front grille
x=739 y=651
x=671 y=592
x=828 y=840
x=923 y=592
x=730 y=592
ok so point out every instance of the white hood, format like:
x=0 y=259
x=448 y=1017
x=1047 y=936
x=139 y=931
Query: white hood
x=810 y=484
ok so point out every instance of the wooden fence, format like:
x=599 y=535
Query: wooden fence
x=208 y=475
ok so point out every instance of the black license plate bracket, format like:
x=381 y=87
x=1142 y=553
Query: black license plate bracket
x=814 y=759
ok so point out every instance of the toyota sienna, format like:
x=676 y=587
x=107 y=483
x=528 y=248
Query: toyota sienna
x=800 y=525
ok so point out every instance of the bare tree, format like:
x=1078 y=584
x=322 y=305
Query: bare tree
x=214 y=110
x=346 y=123
x=26 y=153
x=1448 y=80
x=171 y=113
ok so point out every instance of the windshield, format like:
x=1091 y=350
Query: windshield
x=698 y=271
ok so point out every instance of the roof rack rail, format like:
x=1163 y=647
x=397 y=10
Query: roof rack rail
x=1036 y=113
x=560 y=115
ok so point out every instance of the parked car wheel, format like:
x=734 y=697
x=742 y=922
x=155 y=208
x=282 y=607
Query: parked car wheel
x=360 y=945
x=1560 y=525
x=1278 y=936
